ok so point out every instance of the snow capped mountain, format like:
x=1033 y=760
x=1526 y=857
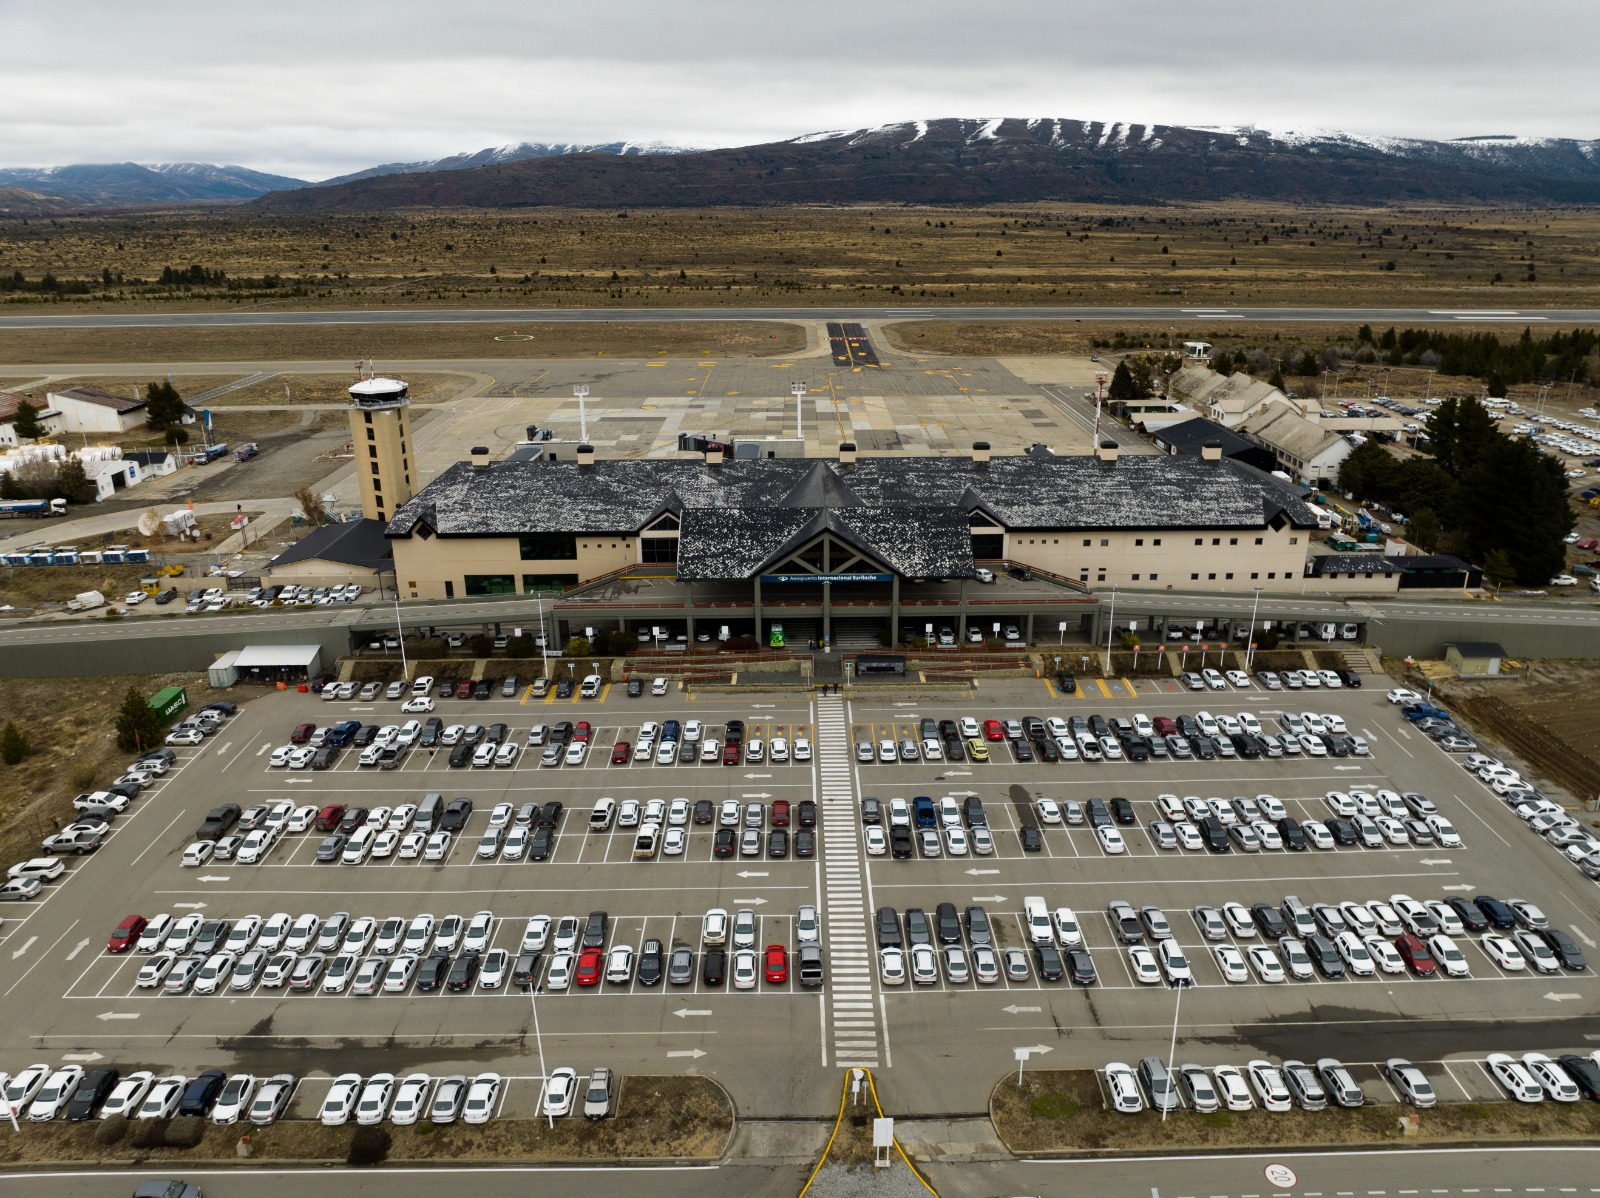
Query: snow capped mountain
x=516 y=152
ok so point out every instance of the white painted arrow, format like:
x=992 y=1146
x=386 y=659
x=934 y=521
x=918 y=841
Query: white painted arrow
x=1581 y=936
x=117 y=1015
x=15 y=953
x=752 y=873
x=1435 y=861
x=299 y=781
x=988 y=898
x=695 y=1053
x=958 y=773
x=762 y=795
x=213 y=878
x=686 y=1014
x=1459 y=886
x=189 y=906
x=226 y=747
x=758 y=706
x=82 y=1056
x=907 y=705
x=1016 y=1010
x=1347 y=767
x=1033 y=1048
x=758 y=775
x=1554 y=997
x=976 y=873
x=755 y=902
x=78 y=948
x=262 y=750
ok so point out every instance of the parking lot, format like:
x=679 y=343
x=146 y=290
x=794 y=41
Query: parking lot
x=775 y=1044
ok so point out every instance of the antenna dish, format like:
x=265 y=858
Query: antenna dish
x=149 y=522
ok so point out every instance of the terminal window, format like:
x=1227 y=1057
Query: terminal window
x=548 y=547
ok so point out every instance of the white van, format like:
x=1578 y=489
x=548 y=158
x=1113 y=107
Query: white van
x=422 y=685
x=1037 y=916
x=591 y=687
x=600 y=818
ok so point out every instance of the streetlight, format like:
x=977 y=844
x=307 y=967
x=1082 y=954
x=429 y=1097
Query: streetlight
x=798 y=390
x=581 y=391
x=1172 y=1048
x=1111 y=626
x=544 y=647
x=400 y=632
x=538 y=1039
x=1250 y=653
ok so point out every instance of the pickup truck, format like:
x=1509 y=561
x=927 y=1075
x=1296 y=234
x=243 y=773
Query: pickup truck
x=100 y=798
x=74 y=840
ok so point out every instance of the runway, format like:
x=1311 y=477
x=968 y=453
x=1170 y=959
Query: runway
x=238 y=319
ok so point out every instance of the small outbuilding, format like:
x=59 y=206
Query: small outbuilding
x=276 y=663
x=1474 y=659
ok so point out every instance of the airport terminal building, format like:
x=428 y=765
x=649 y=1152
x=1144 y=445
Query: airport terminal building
x=853 y=545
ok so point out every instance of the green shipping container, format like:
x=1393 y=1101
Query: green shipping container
x=169 y=702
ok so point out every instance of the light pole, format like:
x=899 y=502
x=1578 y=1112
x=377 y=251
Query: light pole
x=400 y=631
x=1250 y=652
x=544 y=648
x=538 y=1039
x=798 y=390
x=581 y=391
x=1172 y=1048
x=1111 y=627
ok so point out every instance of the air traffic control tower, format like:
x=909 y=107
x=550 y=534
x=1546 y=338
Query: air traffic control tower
x=380 y=435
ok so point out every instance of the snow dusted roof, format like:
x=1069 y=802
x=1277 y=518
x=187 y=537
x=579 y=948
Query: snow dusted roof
x=910 y=513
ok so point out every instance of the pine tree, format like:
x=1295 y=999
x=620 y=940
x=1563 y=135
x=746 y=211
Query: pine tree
x=10 y=488
x=13 y=745
x=1277 y=381
x=1497 y=568
x=26 y=422
x=138 y=726
x=164 y=406
x=73 y=484
x=1123 y=388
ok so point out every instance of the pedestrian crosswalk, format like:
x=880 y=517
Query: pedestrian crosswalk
x=853 y=1014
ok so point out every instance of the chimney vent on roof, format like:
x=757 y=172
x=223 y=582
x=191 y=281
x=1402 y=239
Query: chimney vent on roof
x=980 y=453
x=847 y=453
x=480 y=457
x=714 y=455
x=1108 y=451
x=1211 y=451
x=586 y=456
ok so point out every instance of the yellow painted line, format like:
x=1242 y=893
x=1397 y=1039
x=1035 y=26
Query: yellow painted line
x=705 y=363
x=655 y=363
x=1077 y=691
x=1132 y=694
x=1050 y=686
x=550 y=695
x=604 y=691
x=1104 y=689
x=526 y=695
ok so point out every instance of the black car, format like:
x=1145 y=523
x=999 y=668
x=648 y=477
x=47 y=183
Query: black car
x=1566 y=951
x=1066 y=684
x=594 y=930
x=432 y=972
x=1202 y=748
x=1136 y=748
x=446 y=689
x=1080 y=966
x=1495 y=911
x=1122 y=811
x=888 y=926
x=649 y=970
x=1471 y=918
x=871 y=811
x=900 y=846
x=1337 y=745
x=353 y=818
x=564 y=689
x=331 y=848
x=1032 y=727
x=167 y=596
x=91 y=1092
x=1350 y=678
x=1047 y=960
x=1215 y=835
x=947 y=924
x=218 y=821
x=325 y=757
x=482 y=688
x=1324 y=956
x=778 y=843
x=455 y=815
x=561 y=733
x=431 y=729
x=724 y=843
x=364 y=736
x=635 y=687
x=805 y=843
x=1585 y=1072
x=954 y=750
x=1342 y=830
x=1032 y=842
x=1047 y=750
x=550 y=814
x=1098 y=726
x=1294 y=836
x=200 y=1095
x=705 y=811
x=1269 y=921
x=1021 y=750
x=1099 y=814
x=541 y=843
x=688 y=753
x=461 y=756
x=805 y=813
x=714 y=968
x=1245 y=745
x=496 y=734
x=462 y=973
x=734 y=734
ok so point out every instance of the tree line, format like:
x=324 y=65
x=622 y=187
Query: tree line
x=1491 y=498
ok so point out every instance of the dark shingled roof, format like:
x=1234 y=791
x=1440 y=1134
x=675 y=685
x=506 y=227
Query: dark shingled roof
x=909 y=512
x=118 y=403
x=355 y=543
x=1477 y=648
x=1354 y=563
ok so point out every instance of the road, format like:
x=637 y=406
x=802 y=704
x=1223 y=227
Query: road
x=1383 y=1174
x=237 y=318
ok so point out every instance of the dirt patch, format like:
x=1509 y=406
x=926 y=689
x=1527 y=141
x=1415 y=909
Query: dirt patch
x=32 y=586
x=1547 y=719
x=1063 y=1111
x=131 y=386
x=284 y=343
x=334 y=389
x=657 y=1117
x=70 y=724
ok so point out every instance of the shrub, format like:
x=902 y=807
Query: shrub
x=111 y=1130
x=184 y=1133
x=13 y=744
x=579 y=646
x=369 y=1146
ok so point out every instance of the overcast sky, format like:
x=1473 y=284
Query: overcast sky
x=314 y=89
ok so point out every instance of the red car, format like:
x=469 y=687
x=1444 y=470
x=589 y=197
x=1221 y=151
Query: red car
x=1589 y=543
x=591 y=962
x=780 y=813
x=1416 y=956
x=328 y=818
x=301 y=733
x=620 y=752
x=730 y=753
x=582 y=731
x=1164 y=725
x=128 y=931
x=993 y=731
x=777 y=961
x=464 y=689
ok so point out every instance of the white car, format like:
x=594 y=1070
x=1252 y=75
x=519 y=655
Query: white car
x=56 y=1092
x=560 y=1088
x=1268 y=1084
x=1049 y=811
x=1503 y=952
x=437 y=847
x=373 y=1105
x=1232 y=1088
x=410 y=1099
x=127 y=1096
x=341 y=1100
x=1143 y=964
x=154 y=971
x=411 y=845
x=1111 y=841
x=1123 y=1086
x=483 y=1096
x=1556 y=1082
x=1514 y=1077
x=1401 y=695
x=1231 y=962
x=234 y=1100
x=161 y=1100
x=280 y=756
x=1450 y=958
x=877 y=840
x=1383 y=954
x=892 y=966
x=418 y=703
x=1265 y=962
x=198 y=853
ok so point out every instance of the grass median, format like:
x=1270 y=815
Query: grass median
x=1063 y=1111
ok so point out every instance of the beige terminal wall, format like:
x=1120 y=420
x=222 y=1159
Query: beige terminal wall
x=1223 y=558
x=424 y=565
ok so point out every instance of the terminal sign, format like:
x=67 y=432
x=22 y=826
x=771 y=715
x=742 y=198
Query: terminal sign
x=827 y=578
